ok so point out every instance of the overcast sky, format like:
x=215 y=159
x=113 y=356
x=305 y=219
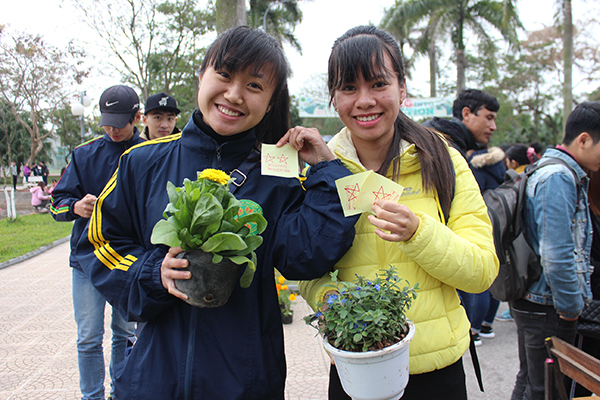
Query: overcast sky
x=323 y=22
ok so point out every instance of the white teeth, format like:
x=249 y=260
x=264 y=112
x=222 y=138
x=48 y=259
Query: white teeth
x=367 y=119
x=229 y=112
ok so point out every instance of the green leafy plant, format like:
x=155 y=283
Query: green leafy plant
x=203 y=215
x=365 y=315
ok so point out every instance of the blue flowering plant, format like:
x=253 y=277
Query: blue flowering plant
x=365 y=315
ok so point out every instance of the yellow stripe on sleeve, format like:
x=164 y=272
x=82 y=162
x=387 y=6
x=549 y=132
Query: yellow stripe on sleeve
x=102 y=249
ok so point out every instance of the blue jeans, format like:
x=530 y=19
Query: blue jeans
x=88 y=305
x=492 y=310
x=476 y=305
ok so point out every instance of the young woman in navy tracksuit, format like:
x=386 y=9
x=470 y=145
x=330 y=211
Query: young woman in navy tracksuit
x=234 y=351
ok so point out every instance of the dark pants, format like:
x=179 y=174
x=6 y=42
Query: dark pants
x=535 y=323
x=442 y=384
x=15 y=178
x=476 y=305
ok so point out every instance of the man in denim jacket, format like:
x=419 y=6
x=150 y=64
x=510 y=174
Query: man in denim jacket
x=558 y=225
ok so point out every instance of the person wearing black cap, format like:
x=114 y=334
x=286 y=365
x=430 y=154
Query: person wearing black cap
x=91 y=167
x=160 y=116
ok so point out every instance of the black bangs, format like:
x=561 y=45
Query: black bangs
x=359 y=55
x=240 y=48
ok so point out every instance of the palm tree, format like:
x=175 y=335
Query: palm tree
x=454 y=18
x=229 y=14
x=278 y=18
x=568 y=61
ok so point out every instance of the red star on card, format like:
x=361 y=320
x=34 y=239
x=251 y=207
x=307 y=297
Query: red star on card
x=279 y=161
x=359 y=192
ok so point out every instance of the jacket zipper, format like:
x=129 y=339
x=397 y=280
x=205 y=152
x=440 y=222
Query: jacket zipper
x=189 y=364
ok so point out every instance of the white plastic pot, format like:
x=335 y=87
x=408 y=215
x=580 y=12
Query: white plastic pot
x=374 y=375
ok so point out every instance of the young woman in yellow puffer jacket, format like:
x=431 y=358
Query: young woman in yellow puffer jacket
x=367 y=86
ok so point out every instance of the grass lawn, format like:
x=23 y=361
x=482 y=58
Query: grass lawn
x=29 y=232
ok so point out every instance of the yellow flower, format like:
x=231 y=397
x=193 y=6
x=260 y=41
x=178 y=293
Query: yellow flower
x=281 y=279
x=278 y=287
x=284 y=287
x=292 y=297
x=215 y=175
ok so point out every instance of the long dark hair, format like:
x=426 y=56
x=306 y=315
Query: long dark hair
x=362 y=50
x=242 y=47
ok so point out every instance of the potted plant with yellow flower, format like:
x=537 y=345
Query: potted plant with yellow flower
x=286 y=297
x=202 y=218
x=365 y=329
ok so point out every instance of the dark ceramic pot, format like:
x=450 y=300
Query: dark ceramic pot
x=211 y=284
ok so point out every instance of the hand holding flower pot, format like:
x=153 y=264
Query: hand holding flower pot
x=202 y=216
x=364 y=327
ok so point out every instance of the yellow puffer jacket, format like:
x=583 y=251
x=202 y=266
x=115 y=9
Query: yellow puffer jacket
x=440 y=258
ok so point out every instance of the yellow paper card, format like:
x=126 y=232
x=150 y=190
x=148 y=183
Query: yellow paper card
x=279 y=161
x=377 y=187
x=359 y=192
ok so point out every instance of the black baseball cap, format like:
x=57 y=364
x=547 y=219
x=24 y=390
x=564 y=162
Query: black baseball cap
x=117 y=105
x=161 y=100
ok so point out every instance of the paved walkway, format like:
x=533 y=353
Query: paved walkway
x=38 y=358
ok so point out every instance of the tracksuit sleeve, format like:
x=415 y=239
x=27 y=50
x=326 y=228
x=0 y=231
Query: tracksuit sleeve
x=313 y=236
x=124 y=269
x=67 y=192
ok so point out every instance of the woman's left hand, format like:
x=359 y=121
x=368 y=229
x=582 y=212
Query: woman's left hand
x=396 y=218
x=309 y=143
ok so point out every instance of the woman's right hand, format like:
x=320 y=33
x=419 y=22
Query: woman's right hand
x=170 y=271
x=397 y=219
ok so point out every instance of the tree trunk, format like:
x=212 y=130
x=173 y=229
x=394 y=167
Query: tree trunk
x=230 y=13
x=432 y=69
x=568 y=62
x=461 y=59
x=461 y=66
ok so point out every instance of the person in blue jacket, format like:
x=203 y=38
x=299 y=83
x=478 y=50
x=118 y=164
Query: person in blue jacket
x=234 y=351
x=92 y=164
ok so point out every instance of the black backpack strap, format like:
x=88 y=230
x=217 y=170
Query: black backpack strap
x=475 y=360
x=243 y=170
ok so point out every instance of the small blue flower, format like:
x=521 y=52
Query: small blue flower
x=318 y=314
x=377 y=287
x=331 y=299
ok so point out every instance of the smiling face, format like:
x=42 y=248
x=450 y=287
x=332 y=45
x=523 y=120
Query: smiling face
x=233 y=103
x=160 y=123
x=370 y=108
x=481 y=124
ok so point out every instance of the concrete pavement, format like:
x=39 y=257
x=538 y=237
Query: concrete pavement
x=38 y=357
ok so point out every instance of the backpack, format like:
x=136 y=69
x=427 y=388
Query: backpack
x=519 y=264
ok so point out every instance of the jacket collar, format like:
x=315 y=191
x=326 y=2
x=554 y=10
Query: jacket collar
x=228 y=155
x=556 y=153
x=133 y=141
x=343 y=147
